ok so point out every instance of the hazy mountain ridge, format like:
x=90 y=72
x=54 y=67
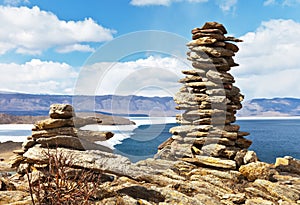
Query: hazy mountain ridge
x=29 y=104
x=275 y=107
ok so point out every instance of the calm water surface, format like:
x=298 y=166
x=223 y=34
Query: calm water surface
x=271 y=138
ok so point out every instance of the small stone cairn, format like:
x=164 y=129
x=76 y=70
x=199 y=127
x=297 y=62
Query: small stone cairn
x=59 y=131
x=210 y=101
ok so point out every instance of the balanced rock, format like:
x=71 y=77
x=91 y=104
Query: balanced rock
x=61 y=111
x=209 y=102
x=215 y=25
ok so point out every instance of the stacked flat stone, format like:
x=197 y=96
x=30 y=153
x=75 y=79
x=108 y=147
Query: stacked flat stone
x=59 y=131
x=209 y=101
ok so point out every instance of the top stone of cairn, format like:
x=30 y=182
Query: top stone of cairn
x=61 y=111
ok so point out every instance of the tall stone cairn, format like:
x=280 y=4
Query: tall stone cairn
x=210 y=101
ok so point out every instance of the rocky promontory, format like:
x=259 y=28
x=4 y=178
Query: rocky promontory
x=85 y=118
x=205 y=162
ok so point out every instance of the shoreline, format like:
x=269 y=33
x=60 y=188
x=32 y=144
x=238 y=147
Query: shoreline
x=118 y=130
x=7 y=147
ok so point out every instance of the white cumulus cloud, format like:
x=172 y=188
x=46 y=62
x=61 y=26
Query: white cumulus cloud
x=31 y=31
x=153 y=76
x=38 y=76
x=269 y=60
x=75 y=47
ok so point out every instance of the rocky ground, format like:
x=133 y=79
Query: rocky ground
x=169 y=182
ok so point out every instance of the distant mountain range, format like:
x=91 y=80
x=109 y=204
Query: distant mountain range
x=276 y=107
x=28 y=104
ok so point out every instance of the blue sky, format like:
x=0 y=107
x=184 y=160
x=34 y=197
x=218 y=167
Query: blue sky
x=45 y=45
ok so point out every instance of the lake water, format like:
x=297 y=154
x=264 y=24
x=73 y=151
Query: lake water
x=271 y=138
x=15 y=132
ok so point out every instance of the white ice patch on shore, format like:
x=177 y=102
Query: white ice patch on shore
x=121 y=131
x=16 y=126
x=152 y=120
x=126 y=131
x=12 y=138
x=5 y=129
